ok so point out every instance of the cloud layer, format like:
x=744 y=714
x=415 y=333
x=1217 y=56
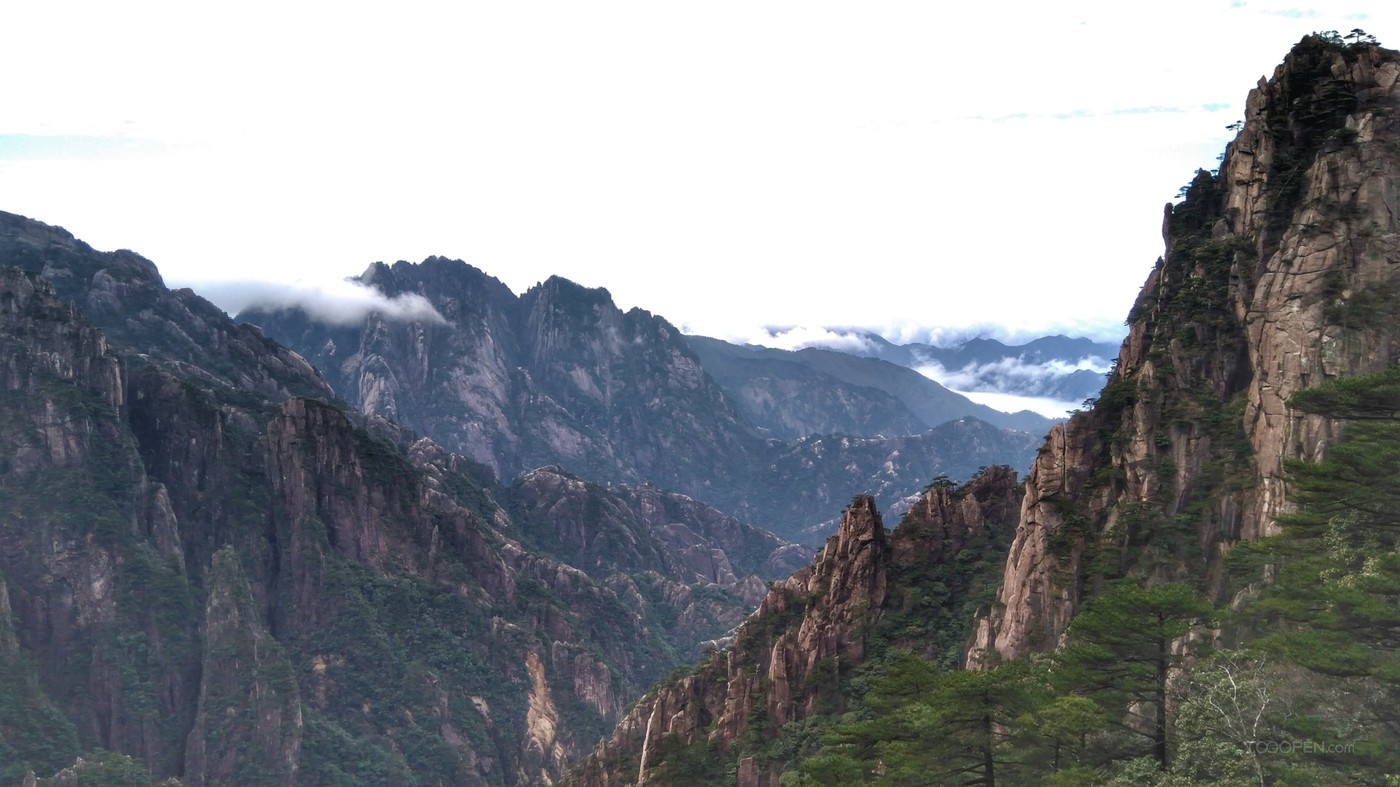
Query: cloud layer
x=1014 y=375
x=341 y=302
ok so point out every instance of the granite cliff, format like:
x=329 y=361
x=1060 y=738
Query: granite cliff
x=1280 y=273
x=870 y=590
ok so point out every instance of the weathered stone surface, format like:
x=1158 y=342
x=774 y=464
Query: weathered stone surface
x=1280 y=273
x=817 y=620
x=248 y=728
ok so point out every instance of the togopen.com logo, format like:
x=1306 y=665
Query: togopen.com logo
x=1300 y=747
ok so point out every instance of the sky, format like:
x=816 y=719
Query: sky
x=745 y=169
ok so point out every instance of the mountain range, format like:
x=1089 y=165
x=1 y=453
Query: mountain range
x=481 y=540
x=560 y=375
x=210 y=564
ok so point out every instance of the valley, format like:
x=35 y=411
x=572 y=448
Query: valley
x=470 y=536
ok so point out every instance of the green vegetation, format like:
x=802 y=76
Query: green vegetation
x=101 y=768
x=926 y=620
x=1097 y=706
x=34 y=734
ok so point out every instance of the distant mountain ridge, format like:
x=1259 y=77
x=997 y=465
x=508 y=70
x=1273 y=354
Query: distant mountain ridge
x=560 y=376
x=779 y=388
x=1063 y=368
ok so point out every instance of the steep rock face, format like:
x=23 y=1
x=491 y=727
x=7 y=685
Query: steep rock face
x=88 y=546
x=646 y=528
x=248 y=728
x=1280 y=273
x=122 y=293
x=1324 y=300
x=694 y=571
x=789 y=658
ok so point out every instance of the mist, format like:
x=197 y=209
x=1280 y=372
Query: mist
x=1011 y=375
x=341 y=302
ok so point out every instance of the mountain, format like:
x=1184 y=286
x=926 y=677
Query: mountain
x=560 y=376
x=1061 y=630
x=1051 y=366
x=1068 y=369
x=212 y=570
x=792 y=394
x=869 y=590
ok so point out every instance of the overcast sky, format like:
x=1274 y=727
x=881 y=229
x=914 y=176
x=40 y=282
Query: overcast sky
x=905 y=166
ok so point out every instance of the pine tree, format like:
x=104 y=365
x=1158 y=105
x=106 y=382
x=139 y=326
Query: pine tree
x=1124 y=646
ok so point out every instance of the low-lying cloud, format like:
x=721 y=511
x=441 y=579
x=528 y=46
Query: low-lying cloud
x=850 y=338
x=981 y=376
x=1018 y=376
x=800 y=337
x=343 y=302
x=1013 y=403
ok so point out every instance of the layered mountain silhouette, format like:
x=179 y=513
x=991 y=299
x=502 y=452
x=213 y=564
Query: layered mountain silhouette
x=559 y=375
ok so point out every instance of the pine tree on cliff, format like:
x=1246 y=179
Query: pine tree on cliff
x=1123 y=649
x=1335 y=606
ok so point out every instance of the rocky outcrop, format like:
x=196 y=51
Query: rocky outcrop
x=789 y=659
x=249 y=725
x=122 y=294
x=544 y=750
x=1280 y=273
x=812 y=617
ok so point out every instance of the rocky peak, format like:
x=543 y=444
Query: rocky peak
x=44 y=336
x=810 y=622
x=1279 y=274
x=790 y=658
x=945 y=518
x=123 y=294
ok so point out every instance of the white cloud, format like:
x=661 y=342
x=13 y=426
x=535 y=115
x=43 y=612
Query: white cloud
x=1013 y=403
x=801 y=336
x=1008 y=375
x=341 y=302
